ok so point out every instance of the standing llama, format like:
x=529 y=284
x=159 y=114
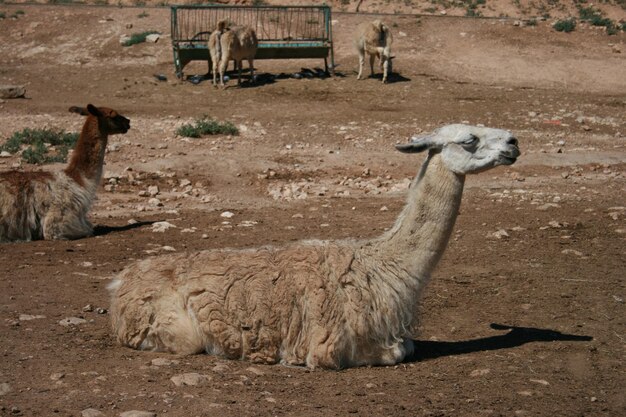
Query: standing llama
x=328 y=304
x=236 y=43
x=54 y=205
x=374 y=39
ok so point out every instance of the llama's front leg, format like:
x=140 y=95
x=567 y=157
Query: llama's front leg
x=60 y=226
x=385 y=66
x=251 y=63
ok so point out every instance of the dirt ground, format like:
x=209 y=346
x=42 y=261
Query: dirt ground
x=525 y=314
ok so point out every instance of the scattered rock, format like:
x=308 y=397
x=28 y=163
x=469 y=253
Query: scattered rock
x=28 y=317
x=227 y=214
x=163 y=362
x=161 y=227
x=221 y=368
x=57 y=376
x=124 y=39
x=12 y=91
x=480 y=372
x=5 y=388
x=72 y=321
x=255 y=371
x=191 y=379
x=153 y=190
x=88 y=308
x=572 y=252
x=137 y=413
x=547 y=206
x=5 y=154
x=91 y=412
x=498 y=234
x=540 y=381
x=153 y=38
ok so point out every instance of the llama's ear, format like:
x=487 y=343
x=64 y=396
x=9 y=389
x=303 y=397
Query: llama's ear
x=93 y=110
x=79 y=110
x=417 y=144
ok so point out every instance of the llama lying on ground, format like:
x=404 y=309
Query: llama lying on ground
x=374 y=39
x=329 y=304
x=236 y=43
x=47 y=205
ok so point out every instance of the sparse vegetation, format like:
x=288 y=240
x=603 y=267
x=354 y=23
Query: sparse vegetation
x=258 y=2
x=3 y=15
x=42 y=145
x=136 y=38
x=596 y=18
x=565 y=25
x=143 y=14
x=207 y=126
x=531 y=22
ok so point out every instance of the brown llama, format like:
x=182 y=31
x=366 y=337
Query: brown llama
x=54 y=205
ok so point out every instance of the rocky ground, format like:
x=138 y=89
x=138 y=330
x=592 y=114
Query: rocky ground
x=525 y=313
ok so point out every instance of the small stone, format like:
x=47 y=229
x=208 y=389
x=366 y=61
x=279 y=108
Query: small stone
x=153 y=38
x=593 y=399
x=571 y=252
x=153 y=190
x=168 y=249
x=499 y=234
x=540 y=381
x=161 y=227
x=124 y=39
x=91 y=412
x=57 y=376
x=384 y=208
x=184 y=183
x=163 y=362
x=101 y=310
x=72 y=321
x=479 y=372
x=221 y=368
x=12 y=91
x=137 y=413
x=88 y=308
x=191 y=379
x=28 y=317
x=205 y=236
x=255 y=371
x=155 y=202
x=5 y=388
x=227 y=214
x=5 y=154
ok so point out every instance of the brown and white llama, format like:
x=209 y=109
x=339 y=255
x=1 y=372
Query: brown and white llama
x=54 y=205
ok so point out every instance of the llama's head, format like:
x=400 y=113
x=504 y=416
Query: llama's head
x=467 y=149
x=110 y=121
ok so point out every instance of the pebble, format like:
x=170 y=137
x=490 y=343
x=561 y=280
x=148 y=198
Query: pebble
x=161 y=227
x=91 y=412
x=255 y=371
x=57 y=376
x=28 y=317
x=72 y=321
x=138 y=413
x=163 y=362
x=153 y=190
x=540 y=381
x=571 y=252
x=498 y=234
x=480 y=372
x=5 y=388
x=227 y=214
x=191 y=379
x=5 y=154
x=12 y=91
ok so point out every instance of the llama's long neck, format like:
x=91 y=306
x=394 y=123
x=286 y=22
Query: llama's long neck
x=420 y=235
x=85 y=165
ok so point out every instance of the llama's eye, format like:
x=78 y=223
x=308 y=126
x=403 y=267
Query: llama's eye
x=472 y=140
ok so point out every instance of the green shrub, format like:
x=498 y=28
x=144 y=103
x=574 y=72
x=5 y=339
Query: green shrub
x=38 y=142
x=565 y=25
x=531 y=22
x=206 y=126
x=143 y=14
x=136 y=38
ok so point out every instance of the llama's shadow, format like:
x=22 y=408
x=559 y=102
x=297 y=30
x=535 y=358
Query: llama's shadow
x=517 y=336
x=100 y=230
x=392 y=77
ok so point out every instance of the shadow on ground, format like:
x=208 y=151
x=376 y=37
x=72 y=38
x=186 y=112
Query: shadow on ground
x=517 y=336
x=101 y=230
